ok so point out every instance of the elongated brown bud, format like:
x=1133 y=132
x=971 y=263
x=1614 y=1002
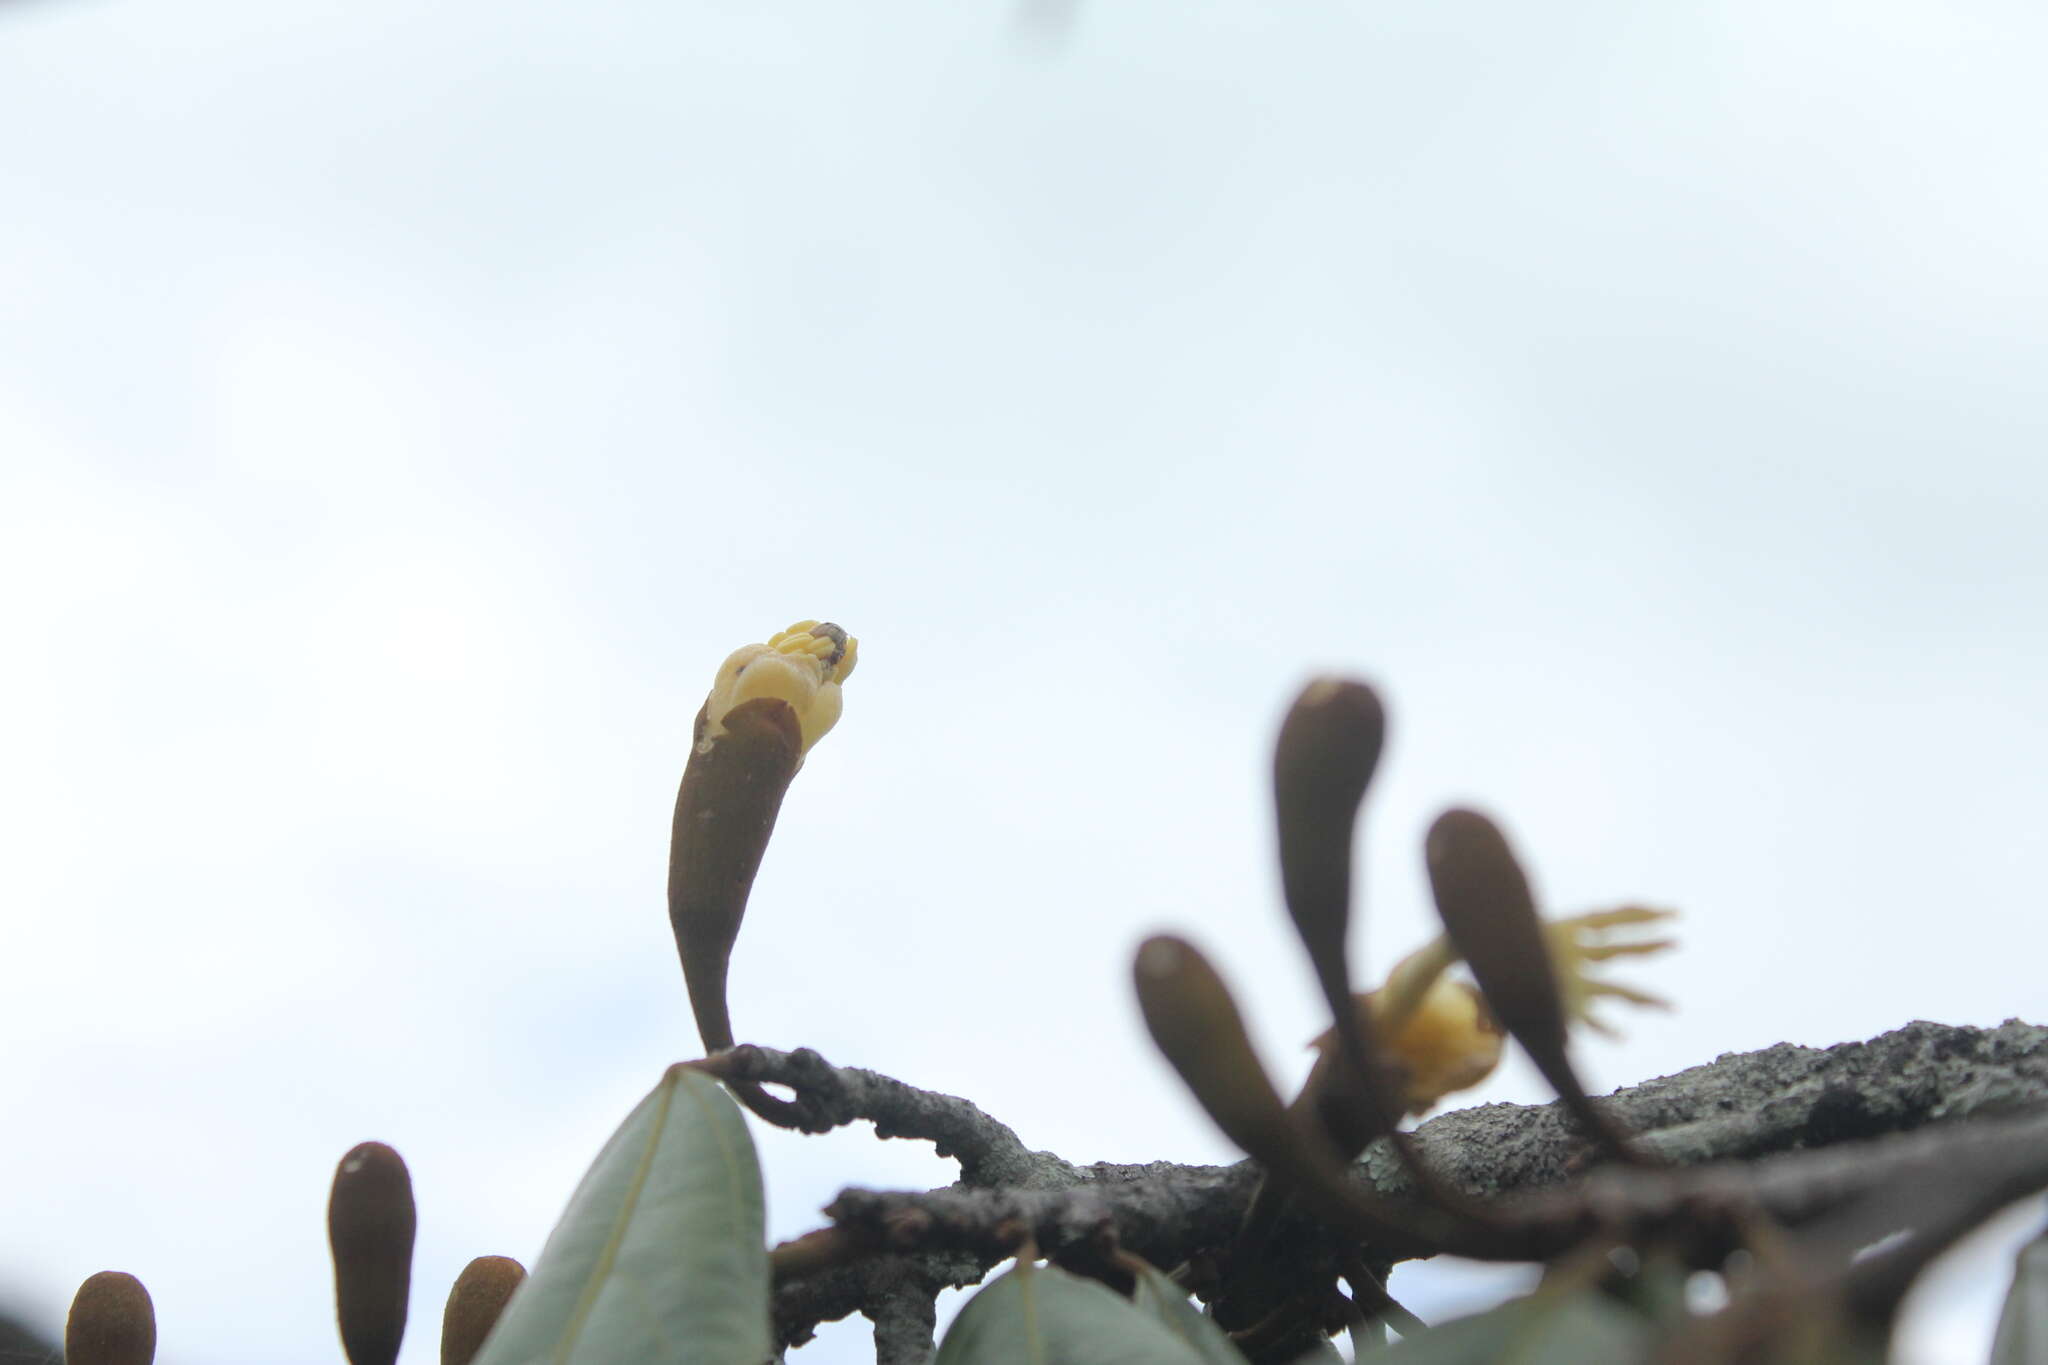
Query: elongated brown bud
x=1490 y=915
x=1323 y=761
x=731 y=792
x=1196 y=1025
x=112 y=1322
x=370 y=1225
x=481 y=1292
x=768 y=704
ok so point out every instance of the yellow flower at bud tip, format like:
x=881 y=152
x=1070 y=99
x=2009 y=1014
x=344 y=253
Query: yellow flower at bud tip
x=803 y=666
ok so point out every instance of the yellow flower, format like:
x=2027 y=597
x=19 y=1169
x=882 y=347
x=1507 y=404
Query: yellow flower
x=1447 y=1043
x=1439 y=1031
x=804 y=666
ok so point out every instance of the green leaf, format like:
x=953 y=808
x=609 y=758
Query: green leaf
x=2023 y=1322
x=1541 y=1329
x=1041 y=1315
x=1161 y=1298
x=660 y=1257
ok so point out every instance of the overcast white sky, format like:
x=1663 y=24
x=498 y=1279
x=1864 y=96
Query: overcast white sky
x=405 y=408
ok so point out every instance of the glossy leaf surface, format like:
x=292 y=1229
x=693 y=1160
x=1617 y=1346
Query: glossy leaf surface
x=1161 y=1298
x=1041 y=1315
x=660 y=1257
x=1542 y=1329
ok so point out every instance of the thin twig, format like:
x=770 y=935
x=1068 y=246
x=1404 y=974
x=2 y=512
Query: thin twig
x=828 y=1097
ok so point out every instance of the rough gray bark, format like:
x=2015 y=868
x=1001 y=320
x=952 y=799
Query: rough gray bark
x=892 y=1252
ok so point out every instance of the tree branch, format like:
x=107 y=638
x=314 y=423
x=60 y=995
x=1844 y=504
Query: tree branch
x=1738 y=1108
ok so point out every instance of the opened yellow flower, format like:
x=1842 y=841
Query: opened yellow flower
x=1438 y=1030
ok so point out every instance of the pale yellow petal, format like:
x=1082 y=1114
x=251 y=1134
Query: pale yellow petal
x=795 y=666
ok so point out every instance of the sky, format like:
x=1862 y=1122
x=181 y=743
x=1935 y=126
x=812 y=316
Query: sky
x=404 y=409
